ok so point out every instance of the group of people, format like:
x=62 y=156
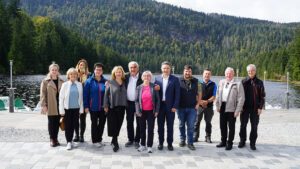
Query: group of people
x=143 y=99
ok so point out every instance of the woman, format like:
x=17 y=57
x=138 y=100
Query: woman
x=83 y=75
x=70 y=104
x=93 y=94
x=147 y=107
x=115 y=99
x=49 y=93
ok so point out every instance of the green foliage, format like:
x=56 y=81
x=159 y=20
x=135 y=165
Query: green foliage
x=33 y=43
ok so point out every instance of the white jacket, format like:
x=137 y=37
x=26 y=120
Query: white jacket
x=64 y=95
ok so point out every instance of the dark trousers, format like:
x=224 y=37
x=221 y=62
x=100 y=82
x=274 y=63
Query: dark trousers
x=130 y=113
x=165 y=115
x=227 y=119
x=82 y=125
x=208 y=114
x=254 y=120
x=71 y=122
x=98 y=120
x=53 y=126
x=147 y=119
x=115 y=119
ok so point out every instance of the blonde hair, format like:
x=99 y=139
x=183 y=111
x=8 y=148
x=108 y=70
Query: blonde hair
x=52 y=66
x=86 y=67
x=115 y=69
x=70 y=71
x=145 y=73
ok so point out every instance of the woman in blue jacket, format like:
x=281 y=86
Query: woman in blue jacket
x=93 y=94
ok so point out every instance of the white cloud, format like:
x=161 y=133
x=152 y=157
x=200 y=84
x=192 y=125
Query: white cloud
x=273 y=10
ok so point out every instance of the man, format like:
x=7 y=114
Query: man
x=132 y=80
x=230 y=101
x=169 y=95
x=254 y=102
x=208 y=95
x=188 y=106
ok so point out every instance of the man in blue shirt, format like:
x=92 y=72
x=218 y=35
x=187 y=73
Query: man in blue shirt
x=208 y=91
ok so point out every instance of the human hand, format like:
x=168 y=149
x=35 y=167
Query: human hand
x=236 y=114
x=173 y=110
x=259 y=111
x=86 y=110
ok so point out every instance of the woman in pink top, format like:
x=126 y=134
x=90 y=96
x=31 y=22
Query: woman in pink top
x=147 y=107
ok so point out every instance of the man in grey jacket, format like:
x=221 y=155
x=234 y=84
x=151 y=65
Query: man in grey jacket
x=229 y=102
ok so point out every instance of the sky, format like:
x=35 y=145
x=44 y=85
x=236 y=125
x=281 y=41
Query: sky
x=283 y=11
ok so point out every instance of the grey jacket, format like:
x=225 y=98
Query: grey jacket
x=155 y=99
x=236 y=96
x=115 y=95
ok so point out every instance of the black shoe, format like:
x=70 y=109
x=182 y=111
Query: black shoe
x=221 y=145
x=129 y=143
x=253 y=147
x=76 y=139
x=182 y=144
x=170 y=147
x=191 y=147
x=136 y=145
x=56 y=142
x=241 y=144
x=115 y=147
x=81 y=139
x=208 y=139
x=195 y=140
x=52 y=143
x=160 y=147
x=228 y=147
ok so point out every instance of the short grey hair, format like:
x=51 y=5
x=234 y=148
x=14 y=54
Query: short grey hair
x=229 y=69
x=251 y=66
x=147 y=72
x=133 y=63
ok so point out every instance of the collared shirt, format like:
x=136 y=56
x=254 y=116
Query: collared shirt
x=165 y=84
x=74 y=95
x=226 y=89
x=132 y=87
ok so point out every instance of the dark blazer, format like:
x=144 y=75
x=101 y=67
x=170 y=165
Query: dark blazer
x=172 y=92
x=139 y=81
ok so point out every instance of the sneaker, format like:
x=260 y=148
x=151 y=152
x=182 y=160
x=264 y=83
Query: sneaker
x=76 y=139
x=129 y=143
x=191 y=147
x=149 y=150
x=141 y=148
x=69 y=146
x=182 y=144
x=136 y=145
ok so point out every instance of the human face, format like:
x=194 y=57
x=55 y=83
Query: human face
x=81 y=65
x=206 y=75
x=133 y=69
x=119 y=74
x=251 y=72
x=187 y=73
x=229 y=75
x=98 y=71
x=166 y=70
x=54 y=72
x=73 y=76
x=146 y=78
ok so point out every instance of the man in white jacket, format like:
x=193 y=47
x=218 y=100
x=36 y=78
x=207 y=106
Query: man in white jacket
x=229 y=102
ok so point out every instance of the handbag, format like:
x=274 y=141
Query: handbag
x=62 y=124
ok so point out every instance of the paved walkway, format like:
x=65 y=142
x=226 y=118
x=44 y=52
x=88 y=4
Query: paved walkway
x=24 y=144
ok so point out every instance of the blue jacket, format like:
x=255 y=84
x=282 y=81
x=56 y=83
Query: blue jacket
x=172 y=92
x=93 y=93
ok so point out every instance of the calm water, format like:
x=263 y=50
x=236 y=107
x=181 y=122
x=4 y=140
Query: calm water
x=28 y=90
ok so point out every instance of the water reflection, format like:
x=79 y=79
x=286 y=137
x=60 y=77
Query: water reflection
x=28 y=89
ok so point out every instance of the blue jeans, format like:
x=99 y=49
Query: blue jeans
x=186 y=116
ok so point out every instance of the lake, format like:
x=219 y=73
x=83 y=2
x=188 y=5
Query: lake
x=28 y=89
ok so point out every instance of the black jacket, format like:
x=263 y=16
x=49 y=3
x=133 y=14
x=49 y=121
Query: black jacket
x=254 y=93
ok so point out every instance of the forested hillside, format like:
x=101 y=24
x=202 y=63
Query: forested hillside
x=33 y=43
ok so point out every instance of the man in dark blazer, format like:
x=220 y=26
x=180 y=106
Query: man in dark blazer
x=170 y=95
x=132 y=80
